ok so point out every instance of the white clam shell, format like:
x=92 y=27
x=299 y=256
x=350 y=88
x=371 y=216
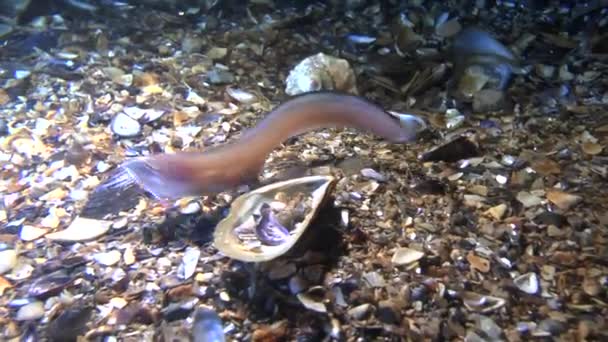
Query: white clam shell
x=245 y=205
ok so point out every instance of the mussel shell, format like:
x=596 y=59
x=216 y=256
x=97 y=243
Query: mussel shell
x=245 y=205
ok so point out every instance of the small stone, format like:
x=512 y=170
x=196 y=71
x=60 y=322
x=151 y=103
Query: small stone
x=565 y=74
x=297 y=284
x=489 y=327
x=374 y=279
x=120 y=223
x=216 y=53
x=591 y=286
x=528 y=283
x=563 y=200
x=405 y=256
x=321 y=72
x=30 y=312
x=128 y=256
x=388 y=312
x=190 y=208
x=108 y=258
x=360 y=312
x=4 y=130
x=551 y=326
x=220 y=76
x=545 y=71
x=553 y=231
x=31 y=233
x=448 y=28
x=478 y=263
x=8 y=260
x=487 y=100
x=528 y=199
x=189 y=262
x=592 y=148
x=207 y=326
x=282 y=271
x=497 y=212
x=192 y=44
x=125 y=126
x=81 y=229
x=241 y=95
x=373 y=174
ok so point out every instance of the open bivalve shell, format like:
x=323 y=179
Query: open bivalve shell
x=267 y=222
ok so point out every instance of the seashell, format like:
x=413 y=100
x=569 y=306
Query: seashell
x=230 y=237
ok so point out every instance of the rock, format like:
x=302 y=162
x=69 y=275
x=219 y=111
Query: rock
x=125 y=126
x=528 y=283
x=282 y=271
x=216 y=53
x=30 y=312
x=562 y=199
x=448 y=28
x=8 y=260
x=489 y=327
x=220 y=76
x=81 y=229
x=404 y=256
x=497 y=212
x=321 y=72
x=108 y=258
x=528 y=199
x=191 y=44
x=31 y=233
x=388 y=312
x=360 y=312
x=488 y=100
x=207 y=326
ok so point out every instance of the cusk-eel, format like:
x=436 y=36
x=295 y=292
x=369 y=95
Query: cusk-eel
x=174 y=175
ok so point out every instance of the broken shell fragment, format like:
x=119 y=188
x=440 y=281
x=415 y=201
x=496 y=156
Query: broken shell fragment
x=481 y=303
x=527 y=283
x=245 y=235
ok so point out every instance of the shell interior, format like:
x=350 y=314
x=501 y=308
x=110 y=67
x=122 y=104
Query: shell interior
x=245 y=206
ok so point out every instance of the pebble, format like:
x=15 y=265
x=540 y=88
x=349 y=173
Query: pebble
x=487 y=100
x=4 y=130
x=405 y=256
x=373 y=174
x=30 y=312
x=108 y=258
x=31 y=233
x=220 y=76
x=448 y=28
x=8 y=260
x=297 y=284
x=241 y=95
x=388 y=313
x=81 y=229
x=282 y=271
x=190 y=208
x=374 y=279
x=497 y=212
x=489 y=327
x=216 y=53
x=562 y=199
x=528 y=199
x=207 y=326
x=189 y=263
x=125 y=126
x=360 y=312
